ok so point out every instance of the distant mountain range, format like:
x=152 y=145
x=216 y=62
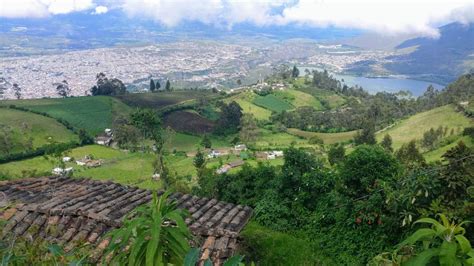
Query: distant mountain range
x=444 y=58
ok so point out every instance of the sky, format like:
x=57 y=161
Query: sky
x=389 y=17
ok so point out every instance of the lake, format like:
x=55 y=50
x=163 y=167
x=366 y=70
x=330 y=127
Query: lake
x=389 y=84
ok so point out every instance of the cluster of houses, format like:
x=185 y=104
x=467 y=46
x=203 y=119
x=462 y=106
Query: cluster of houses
x=269 y=155
x=106 y=138
x=87 y=161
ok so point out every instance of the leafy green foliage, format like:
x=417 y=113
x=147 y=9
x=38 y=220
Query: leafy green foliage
x=272 y=103
x=107 y=86
x=155 y=234
x=229 y=120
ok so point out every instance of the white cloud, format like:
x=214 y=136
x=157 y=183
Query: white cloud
x=384 y=16
x=100 y=10
x=41 y=8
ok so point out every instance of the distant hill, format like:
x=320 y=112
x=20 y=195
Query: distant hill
x=445 y=58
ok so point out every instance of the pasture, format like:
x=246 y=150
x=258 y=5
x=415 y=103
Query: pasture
x=272 y=103
x=93 y=114
x=118 y=166
x=299 y=98
x=415 y=126
x=28 y=130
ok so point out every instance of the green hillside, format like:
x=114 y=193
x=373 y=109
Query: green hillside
x=93 y=114
x=414 y=126
x=159 y=100
x=272 y=103
x=328 y=138
x=30 y=131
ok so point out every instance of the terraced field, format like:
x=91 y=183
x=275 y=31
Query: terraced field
x=299 y=98
x=188 y=122
x=93 y=114
x=38 y=130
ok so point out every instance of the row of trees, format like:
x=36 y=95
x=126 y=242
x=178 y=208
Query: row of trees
x=155 y=86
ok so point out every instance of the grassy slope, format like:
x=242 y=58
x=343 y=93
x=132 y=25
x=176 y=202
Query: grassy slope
x=332 y=98
x=268 y=247
x=299 y=98
x=328 y=138
x=41 y=129
x=272 y=103
x=436 y=154
x=244 y=99
x=414 y=126
x=118 y=166
x=93 y=114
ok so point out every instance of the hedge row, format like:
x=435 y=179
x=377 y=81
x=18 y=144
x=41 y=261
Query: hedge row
x=43 y=150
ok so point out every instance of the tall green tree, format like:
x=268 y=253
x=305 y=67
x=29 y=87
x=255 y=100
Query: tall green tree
x=295 y=72
x=248 y=128
x=229 y=120
x=366 y=135
x=152 y=85
x=387 y=143
x=206 y=142
x=199 y=160
x=336 y=154
x=168 y=85
x=458 y=174
x=157 y=85
x=410 y=155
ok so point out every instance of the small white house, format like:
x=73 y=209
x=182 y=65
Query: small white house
x=213 y=154
x=278 y=153
x=240 y=147
x=62 y=172
x=271 y=156
x=67 y=159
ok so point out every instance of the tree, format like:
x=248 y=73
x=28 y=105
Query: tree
x=336 y=154
x=249 y=129
x=229 y=120
x=154 y=234
x=168 y=85
x=295 y=72
x=6 y=141
x=199 y=160
x=146 y=120
x=84 y=137
x=366 y=135
x=458 y=175
x=127 y=136
x=157 y=85
x=152 y=85
x=206 y=142
x=387 y=143
x=62 y=88
x=410 y=155
x=17 y=90
x=363 y=170
x=105 y=86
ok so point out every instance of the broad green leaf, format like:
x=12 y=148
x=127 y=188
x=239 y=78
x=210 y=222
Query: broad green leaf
x=423 y=258
x=234 y=261
x=463 y=243
x=419 y=235
x=447 y=254
x=192 y=257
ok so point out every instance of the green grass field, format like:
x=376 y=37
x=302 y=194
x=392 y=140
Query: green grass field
x=122 y=167
x=276 y=248
x=328 y=138
x=245 y=100
x=299 y=98
x=437 y=154
x=93 y=114
x=272 y=103
x=26 y=126
x=334 y=100
x=414 y=126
